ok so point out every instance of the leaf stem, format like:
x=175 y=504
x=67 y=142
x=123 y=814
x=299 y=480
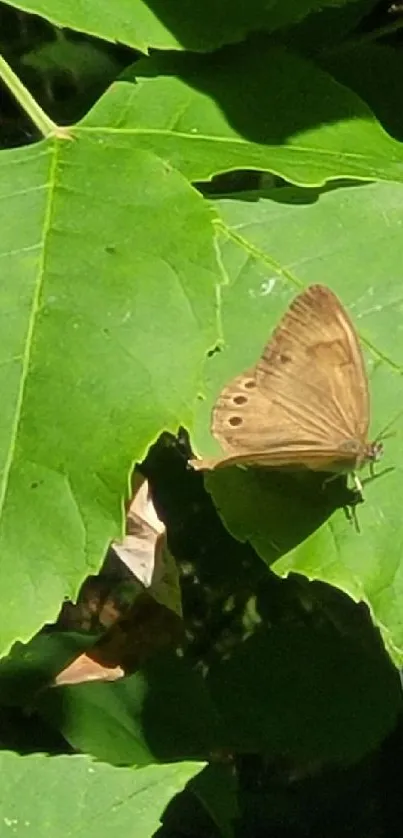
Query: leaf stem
x=45 y=125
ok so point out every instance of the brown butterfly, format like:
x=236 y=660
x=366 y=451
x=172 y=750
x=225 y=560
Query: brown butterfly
x=306 y=403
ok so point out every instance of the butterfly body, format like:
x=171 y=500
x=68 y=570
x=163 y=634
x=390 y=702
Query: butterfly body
x=306 y=403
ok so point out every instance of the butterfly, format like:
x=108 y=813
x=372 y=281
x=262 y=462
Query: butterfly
x=306 y=402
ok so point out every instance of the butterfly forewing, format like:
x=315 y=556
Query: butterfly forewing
x=306 y=401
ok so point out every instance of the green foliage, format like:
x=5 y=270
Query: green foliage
x=147 y=252
x=85 y=796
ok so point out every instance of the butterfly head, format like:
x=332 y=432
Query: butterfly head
x=375 y=451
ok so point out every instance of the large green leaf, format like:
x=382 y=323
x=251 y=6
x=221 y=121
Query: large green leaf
x=108 y=268
x=74 y=796
x=254 y=106
x=270 y=246
x=202 y=25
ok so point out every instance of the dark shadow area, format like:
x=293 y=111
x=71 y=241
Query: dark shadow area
x=292 y=505
x=251 y=187
x=65 y=71
x=268 y=95
x=283 y=686
x=280 y=508
x=25 y=732
x=373 y=71
x=274 y=799
x=205 y=24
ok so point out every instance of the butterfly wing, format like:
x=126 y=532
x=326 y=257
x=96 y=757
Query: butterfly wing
x=313 y=367
x=306 y=402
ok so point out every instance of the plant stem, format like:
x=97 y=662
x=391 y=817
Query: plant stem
x=45 y=125
x=368 y=37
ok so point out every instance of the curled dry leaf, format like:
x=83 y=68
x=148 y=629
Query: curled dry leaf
x=144 y=549
x=141 y=548
x=154 y=618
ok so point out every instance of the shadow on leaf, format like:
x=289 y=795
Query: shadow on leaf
x=274 y=510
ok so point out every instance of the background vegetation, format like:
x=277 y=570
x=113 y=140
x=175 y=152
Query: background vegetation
x=171 y=175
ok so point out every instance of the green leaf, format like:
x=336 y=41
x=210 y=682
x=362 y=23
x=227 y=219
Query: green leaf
x=255 y=107
x=270 y=246
x=201 y=25
x=162 y=712
x=86 y=62
x=108 y=268
x=74 y=796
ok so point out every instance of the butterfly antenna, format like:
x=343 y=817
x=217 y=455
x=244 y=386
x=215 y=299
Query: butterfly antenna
x=385 y=433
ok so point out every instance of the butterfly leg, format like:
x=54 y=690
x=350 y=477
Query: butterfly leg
x=351 y=515
x=330 y=479
x=357 y=482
